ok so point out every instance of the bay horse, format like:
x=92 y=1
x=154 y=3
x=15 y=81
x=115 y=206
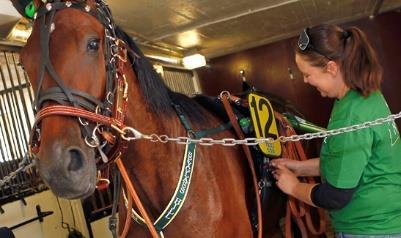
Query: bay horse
x=73 y=50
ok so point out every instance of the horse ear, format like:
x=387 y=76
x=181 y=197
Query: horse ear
x=26 y=8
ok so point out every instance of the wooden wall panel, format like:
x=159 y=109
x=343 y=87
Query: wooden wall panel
x=267 y=68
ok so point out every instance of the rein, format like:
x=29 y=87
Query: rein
x=225 y=97
x=297 y=210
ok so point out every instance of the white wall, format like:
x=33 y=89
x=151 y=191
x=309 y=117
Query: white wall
x=16 y=212
x=100 y=228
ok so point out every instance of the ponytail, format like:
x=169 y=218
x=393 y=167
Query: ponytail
x=359 y=64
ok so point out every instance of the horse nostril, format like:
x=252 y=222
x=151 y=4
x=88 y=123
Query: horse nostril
x=76 y=160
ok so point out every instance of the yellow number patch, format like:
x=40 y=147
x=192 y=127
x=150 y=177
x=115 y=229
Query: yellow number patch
x=264 y=123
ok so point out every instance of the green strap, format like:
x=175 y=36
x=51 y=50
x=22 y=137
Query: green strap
x=181 y=116
x=211 y=131
x=180 y=193
x=198 y=134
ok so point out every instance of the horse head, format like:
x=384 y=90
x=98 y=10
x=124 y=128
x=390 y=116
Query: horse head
x=71 y=59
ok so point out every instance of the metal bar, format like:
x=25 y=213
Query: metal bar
x=8 y=90
x=31 y=100
x=6 y=142
x=15 y=97
x=28 y=124
x=22 y=97
x=10 y=141
x=3 y=155
x=109 y=196
x=40 y=218
x=18 y=123
x=101 y=198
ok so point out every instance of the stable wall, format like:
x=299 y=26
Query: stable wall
x=16 y=212
x=269 y=69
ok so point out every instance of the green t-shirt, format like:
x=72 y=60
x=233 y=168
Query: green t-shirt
x=368 y=159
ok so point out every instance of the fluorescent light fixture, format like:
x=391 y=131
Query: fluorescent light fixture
x=21 y=31
x=165 y=59
x=194 y=61
x=19 y=35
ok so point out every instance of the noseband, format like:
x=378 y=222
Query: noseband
x=98 y=120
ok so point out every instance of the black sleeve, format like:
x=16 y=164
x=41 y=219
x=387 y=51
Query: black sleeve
x=326 y=196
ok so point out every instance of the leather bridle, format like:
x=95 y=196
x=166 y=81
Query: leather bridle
x=98 y=119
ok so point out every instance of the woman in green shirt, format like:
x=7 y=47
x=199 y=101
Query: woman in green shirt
x=360 y=170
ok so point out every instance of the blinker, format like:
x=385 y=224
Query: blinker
x=30 y=10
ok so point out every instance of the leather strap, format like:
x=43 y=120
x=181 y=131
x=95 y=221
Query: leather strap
x=238 y=131
x=127 y=223
x=132 y=192
x=299 y=211
x=62 y=110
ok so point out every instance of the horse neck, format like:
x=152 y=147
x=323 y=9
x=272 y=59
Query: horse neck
x=153 y=167
x=141 y=116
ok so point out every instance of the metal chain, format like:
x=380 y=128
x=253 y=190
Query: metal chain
x=23 y=166
x=129 y=134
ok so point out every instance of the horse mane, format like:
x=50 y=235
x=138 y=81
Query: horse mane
x=158 y=96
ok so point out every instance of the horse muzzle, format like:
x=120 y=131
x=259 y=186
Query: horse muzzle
x=71 y=173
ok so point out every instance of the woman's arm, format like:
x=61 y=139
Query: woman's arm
x=289 y=184
x=308 y=167
x=321 y=195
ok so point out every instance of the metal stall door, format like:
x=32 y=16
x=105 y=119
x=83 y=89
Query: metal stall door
x=16 y=118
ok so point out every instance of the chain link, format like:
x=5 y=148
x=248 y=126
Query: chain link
x=136 y=135
x=23 y=166
x=254 y=141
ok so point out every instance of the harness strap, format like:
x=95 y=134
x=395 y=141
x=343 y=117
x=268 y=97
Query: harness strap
x=136 y=198
x=127 y=223
x=116 y=199
x=202 y=133
x=296 y=209
x=62 y=110
x=85 y=100
x=211 y=131
x=247 y=151
x=179 y=196
x=76 y=112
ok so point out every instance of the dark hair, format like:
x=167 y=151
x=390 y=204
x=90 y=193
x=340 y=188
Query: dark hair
x=350 y=49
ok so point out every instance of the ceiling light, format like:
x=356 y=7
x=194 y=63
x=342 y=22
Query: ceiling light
x=189 y=39
x=21 y=31
x=194 y=61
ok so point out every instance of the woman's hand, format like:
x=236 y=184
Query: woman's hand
x=293 y=165
x=286 y=180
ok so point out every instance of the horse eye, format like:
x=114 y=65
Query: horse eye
x=93 y=44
